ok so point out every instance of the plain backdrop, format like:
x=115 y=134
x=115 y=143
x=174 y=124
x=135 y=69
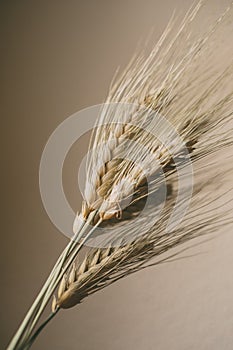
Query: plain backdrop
x=57 y=58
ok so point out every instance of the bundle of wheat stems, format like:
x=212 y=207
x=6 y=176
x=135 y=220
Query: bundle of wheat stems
x=134 y=153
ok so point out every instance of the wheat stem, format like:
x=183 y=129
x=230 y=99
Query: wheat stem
x=38 y=331
x=26 y=328
x=58 y=276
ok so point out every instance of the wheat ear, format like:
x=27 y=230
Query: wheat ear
x=184 y=98
x=102 y=267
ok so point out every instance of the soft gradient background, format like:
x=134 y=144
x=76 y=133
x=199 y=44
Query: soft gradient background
x=57 y=58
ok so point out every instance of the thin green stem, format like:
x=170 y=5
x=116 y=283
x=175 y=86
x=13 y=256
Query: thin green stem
x=38 y=331
x=26 y=328
x=58 y=276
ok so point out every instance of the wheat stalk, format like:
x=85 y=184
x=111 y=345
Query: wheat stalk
x=172 y=82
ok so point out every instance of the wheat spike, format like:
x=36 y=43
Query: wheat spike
x=105 y=266
x=172 y=81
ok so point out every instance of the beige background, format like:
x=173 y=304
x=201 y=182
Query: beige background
x=57 y=58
